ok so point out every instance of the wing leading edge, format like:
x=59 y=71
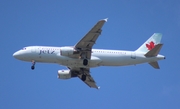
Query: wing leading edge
x=86 y=43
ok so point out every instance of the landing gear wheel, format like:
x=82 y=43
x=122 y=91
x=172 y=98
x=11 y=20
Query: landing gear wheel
x=83 y=77
x=32 y=67
x=85 y=62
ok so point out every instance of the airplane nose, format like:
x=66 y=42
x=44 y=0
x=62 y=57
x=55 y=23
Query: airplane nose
x=16 y=55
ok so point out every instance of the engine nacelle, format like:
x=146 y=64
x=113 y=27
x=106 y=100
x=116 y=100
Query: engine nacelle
x=68 y=51
x=64 y=74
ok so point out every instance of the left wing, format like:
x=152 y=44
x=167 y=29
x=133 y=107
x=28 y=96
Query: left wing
x=85 y=72
x=86 y=43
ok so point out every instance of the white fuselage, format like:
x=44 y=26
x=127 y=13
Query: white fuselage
x=99 y=57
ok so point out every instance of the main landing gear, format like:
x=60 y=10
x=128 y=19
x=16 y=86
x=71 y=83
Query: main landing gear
x=85 y=62
x=33 y=65
x=83 y=78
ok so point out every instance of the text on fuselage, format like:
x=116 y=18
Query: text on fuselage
x=46 y=52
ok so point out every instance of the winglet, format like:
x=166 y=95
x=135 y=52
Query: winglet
x=98 y=87
x=104 y=19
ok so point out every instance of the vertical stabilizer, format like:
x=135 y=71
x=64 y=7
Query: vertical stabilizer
x=154 y=51
x=150 y=43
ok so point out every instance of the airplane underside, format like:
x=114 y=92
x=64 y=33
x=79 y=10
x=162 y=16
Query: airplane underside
x=115 y=60
x=81 y=57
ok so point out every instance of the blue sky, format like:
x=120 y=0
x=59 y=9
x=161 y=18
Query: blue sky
x=61 y=23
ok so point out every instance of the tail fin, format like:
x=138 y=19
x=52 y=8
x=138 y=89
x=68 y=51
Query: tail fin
x=150 y=43
x=154 y=51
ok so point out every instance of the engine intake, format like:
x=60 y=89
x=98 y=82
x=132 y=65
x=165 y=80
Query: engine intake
x=64 y=74
x=68 y=51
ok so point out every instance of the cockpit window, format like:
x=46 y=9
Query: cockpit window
x=24 y=48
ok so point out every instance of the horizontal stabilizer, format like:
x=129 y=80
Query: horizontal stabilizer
x=154 y=51
x=155 y=65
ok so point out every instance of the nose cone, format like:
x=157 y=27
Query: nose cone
x=22 y=55
x=16 y=55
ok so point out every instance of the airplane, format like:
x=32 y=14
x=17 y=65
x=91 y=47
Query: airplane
x=81 y=57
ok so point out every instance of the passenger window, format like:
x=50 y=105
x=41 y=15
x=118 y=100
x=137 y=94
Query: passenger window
x=24 y=48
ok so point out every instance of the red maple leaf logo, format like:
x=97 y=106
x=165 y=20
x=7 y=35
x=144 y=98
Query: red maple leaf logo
x=150 y=46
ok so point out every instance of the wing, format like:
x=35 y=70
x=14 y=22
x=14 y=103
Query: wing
x=85 y=71
x=86 y=43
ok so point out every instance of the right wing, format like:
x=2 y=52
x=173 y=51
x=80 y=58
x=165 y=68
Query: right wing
x=86 y=43
x=85 y=71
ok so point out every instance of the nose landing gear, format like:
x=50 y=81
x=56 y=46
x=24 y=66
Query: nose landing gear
x=33 y=65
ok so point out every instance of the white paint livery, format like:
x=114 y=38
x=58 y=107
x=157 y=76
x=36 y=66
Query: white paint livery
x=81 y=57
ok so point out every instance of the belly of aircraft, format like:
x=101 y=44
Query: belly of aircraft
x=71 y=62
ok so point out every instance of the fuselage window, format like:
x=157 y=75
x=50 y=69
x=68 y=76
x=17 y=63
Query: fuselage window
x=24 y=48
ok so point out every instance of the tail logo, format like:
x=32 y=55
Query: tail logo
x=150 y=46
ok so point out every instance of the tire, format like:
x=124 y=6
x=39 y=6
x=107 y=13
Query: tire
x=85 y=62
x=83 y=77
x=32 y=67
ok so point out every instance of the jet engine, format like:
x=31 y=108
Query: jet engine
x=64 y=74
x=67 y=51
